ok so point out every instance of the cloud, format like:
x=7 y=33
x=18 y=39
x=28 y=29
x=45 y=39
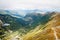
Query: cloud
x=29 y=4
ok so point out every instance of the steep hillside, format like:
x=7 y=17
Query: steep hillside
x=21 y=26
x=51 y=30
x=30 y=21
x=11 y=20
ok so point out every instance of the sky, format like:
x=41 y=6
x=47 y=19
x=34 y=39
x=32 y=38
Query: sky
x=30 y=4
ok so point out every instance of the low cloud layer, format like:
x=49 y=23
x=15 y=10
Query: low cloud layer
x=30 y=4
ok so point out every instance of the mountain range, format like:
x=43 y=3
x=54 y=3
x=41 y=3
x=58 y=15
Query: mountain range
x=32 y=21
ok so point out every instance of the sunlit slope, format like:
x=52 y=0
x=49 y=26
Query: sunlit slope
x=51 y=30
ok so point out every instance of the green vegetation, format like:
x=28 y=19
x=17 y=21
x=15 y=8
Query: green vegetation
x=19 y=26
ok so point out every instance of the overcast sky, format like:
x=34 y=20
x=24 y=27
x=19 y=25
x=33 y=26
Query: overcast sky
x=30 y=4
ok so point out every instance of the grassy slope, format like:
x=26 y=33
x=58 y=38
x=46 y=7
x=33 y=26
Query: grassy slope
x=50 y=32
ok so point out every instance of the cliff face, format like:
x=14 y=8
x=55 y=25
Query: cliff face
x=51 y=30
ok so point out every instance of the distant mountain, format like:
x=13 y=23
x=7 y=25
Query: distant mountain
x=37 y=18
x=19 y=13
x=12 y=13
x=28 y=22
